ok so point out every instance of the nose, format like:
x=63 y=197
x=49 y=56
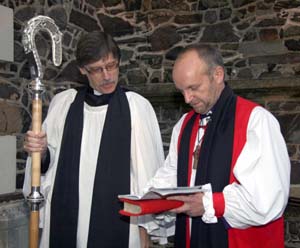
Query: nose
x=187 y=96
x=105 y=74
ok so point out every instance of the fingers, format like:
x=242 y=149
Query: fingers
x=35 y=142
x=40 y=134
x=193 y=205
x=183 y=209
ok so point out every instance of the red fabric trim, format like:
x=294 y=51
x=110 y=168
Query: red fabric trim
x=219 y=204
x=191 y=150
x=242 y=115
x=267 y=236
x=192 y=140
x=190 y=168
x=270 y=235
x=185 y=121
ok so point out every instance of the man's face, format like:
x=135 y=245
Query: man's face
x=103 y=75
x=200 y=87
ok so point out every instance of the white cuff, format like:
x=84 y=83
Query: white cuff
x=209 y=214
x=159 y=226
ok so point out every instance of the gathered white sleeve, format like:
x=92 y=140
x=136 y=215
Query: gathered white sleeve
x=146 y=144
x=146 y=153
x=263 y=174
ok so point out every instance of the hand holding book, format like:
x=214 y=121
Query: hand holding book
x=154 y=201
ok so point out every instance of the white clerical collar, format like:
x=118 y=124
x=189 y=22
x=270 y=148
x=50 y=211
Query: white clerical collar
x=208 y=114
x=97 y=93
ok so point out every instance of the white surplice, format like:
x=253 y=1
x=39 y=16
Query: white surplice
x=262 y=170
x=146 y=157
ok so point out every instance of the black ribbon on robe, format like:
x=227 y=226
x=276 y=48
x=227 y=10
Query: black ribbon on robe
x=107 y=228
x=214 y=167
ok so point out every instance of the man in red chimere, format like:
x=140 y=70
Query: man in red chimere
x=234 y=146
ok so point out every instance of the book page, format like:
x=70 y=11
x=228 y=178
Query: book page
x=177 y=190
x=157 y=193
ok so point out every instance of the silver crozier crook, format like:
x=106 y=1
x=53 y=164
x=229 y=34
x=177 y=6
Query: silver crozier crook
x=36 y=87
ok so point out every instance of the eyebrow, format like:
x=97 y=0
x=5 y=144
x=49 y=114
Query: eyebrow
x=98 y=66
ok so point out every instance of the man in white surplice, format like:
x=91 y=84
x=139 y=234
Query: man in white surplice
x=98 y=58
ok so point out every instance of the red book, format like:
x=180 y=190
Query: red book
x=154 y=200
x=149 y=206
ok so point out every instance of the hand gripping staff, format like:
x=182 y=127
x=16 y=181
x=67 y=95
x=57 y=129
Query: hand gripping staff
x=36 y=88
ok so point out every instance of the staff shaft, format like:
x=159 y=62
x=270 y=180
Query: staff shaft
x=35 y=173
x=34 y=229
x=36 y=128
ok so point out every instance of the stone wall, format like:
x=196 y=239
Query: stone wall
x=260 y=42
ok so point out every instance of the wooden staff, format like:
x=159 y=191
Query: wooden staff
x=36 y=87
x=35 y=197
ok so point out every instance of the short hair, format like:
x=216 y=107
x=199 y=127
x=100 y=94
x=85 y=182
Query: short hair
x=94 y=46
x=209 y=54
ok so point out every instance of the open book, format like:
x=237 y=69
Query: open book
x=154 y=201
x=157 y=193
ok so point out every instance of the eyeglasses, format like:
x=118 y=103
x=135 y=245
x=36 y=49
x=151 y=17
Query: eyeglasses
x=97 y=70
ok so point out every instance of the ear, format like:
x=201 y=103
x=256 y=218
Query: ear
x=82 y=71
x=219 y=74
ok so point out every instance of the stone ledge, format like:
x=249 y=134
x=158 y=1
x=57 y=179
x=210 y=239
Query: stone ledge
x=11 y=197
x=295 y=202
x=168 y=89
x=295 y=191
x=164 y=92
x=266 y=83
x=294 y=197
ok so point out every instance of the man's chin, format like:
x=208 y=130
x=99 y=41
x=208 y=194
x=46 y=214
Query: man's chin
x=200 y=110
x=197 y=109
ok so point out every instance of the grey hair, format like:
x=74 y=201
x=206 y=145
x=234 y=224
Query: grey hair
x=209 y=54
